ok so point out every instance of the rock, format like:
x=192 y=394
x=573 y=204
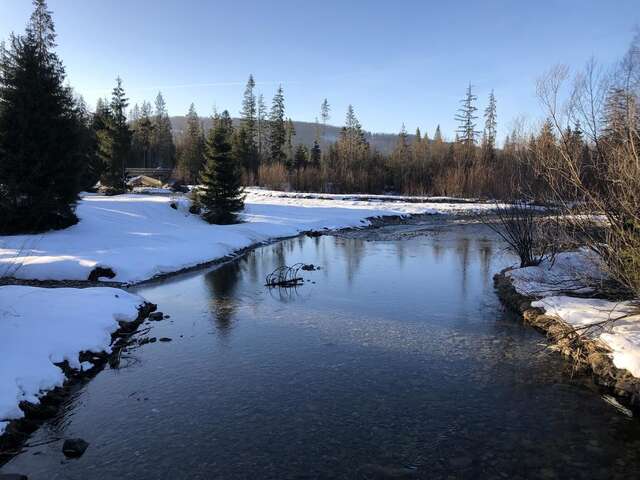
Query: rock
x=100 y=272
x=74 y=447
x=194 y=209
x=309 y=268
x=13 y=476
x=174 y=205
x=156 y=316
x=165 y=339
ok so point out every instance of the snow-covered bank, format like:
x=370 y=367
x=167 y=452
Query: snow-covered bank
x=141 y=236
x=359 y=197
x=41 y=326
x=613 y=327
x=591 y=317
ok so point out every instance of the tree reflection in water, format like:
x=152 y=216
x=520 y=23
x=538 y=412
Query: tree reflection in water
x=222 y=283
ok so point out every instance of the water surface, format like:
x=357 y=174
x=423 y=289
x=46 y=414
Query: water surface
x=394 y=360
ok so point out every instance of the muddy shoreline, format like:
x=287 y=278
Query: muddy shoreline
x=588 y=356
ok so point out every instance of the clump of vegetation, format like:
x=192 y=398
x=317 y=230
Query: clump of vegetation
x=222 y=194
x=597 y=179
x=527 y=229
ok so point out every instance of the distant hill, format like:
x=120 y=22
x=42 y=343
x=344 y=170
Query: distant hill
x=305 y=133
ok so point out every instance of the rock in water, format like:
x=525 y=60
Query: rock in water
x=156 y=316
x=12 y=476
x=74 y=447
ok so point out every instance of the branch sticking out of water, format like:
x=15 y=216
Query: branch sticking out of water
x=285 y=276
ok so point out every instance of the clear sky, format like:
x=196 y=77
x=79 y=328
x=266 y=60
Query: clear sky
x=395 y=61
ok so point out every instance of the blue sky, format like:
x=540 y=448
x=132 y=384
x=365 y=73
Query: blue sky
x=401 y=61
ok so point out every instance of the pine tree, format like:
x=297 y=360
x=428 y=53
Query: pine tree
x=301 y=157
x=163 y=149
x=315 y=155
x=247 y=153
x=223 y=196
x=277 y=128
x=325 y=110
x=92 y=165
x=288 y=146
x=248 y=113
x=490 y=125
x=437 y=136
x=41 y=149
x=466 y=116
x=142 y=133
x=261 y=125
x=191 y=158
x=117 y=140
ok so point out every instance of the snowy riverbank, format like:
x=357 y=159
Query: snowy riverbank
x=42 y=327
x=142 y=236
x=603 y=335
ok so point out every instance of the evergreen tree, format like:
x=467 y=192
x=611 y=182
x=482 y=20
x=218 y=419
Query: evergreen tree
x=315 y=155
x=437 y=136
x=92 y=166
x=143 y=131
x=301 y=157
x=325 y=110
x=247 y=153
x=41 y=150
x=163 y=149
x=223 y=196
x=466 y=116
x=277 y=128
x=249 y=111
x=115 y=145
x=191 y=158
x=289 y=152
x=490 y=125
x=261 y=125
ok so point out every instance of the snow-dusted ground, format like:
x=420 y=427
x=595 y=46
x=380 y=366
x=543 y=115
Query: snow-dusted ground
x=43 y=326
x=141 y=236
x=578 y=272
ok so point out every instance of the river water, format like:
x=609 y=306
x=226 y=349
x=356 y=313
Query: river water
x=394 y=360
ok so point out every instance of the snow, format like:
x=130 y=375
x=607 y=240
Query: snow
x=575 y=271
x=622 y=337
x=141 y=236
x=43 y=326
x=578 y=272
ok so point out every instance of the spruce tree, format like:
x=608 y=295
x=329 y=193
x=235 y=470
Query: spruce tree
x=261 y=126
x=191 y=158
x=289 y=151
x=163 y=150
x=247 y=153
x=301 y=157
x=41 y=149
x=315 y=154
x=490 y=125
x=277 y=128
x=143 y=131
x=222 y=196
x=325 y=110
x=466 y=117
x=115 y=147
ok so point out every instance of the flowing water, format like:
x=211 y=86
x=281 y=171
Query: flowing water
x=394 y=360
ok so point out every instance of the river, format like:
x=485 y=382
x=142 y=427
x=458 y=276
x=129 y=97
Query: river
x=394 y=360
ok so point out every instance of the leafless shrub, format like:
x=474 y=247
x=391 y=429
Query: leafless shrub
x=599 y=186
x=529 y=230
